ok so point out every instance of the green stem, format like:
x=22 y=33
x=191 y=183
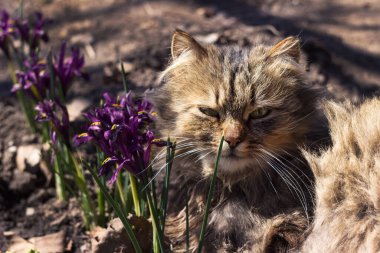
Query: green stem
x=59 y=180
x=88 y=205
x=155 y=221
x=119 y=185
x=101 y=208
x=156 y=245
x=209 y=197
x=135 y=194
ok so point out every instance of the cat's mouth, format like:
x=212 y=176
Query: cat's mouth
x=231 y=155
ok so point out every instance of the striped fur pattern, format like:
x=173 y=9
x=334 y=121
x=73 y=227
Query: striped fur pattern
x=348 y=182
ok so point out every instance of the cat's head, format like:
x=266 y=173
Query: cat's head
x=256 y=97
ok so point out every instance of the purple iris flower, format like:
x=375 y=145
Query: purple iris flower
x=68 y=69
x=23 y=30
x=33 y=32
x=56 y=113
x=35 y=79
x=6 y=29
x=121 y=129
x=38 y=32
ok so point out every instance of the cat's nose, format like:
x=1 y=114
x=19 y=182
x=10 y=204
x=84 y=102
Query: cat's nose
x=232 y=142
x=233 y=133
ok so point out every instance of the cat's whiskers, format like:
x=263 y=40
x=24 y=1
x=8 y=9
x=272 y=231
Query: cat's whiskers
x=294 y=124
x=290 y=184
x=203 y=156
x=287 y=160
x=179 y=145
x=266 y=173
x=288 y=178
x=188 y=153
x=309 y=186
x=184 y=146
x=161 y=155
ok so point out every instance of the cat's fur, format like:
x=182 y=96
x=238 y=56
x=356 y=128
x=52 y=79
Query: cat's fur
x=347 y=217
x=263 y=192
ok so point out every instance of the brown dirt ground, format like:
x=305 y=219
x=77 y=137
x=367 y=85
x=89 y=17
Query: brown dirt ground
x=340 y=45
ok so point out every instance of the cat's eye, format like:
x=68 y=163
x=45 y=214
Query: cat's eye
x=209 y=112
x=259 y=113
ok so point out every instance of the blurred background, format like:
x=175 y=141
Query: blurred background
x=340 y=45
x=339 y=36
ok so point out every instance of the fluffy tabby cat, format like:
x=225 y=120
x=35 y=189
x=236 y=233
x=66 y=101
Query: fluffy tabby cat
x=348 y=182
x=259 y=99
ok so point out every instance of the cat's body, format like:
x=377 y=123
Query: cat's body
x=259 y=100
x=347 y=216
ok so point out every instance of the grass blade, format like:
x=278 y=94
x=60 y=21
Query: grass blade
x=165 y=191
x=155 y=222
x=209 y=197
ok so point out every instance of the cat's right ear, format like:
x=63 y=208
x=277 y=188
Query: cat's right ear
x=182 y=42
x=289 y=46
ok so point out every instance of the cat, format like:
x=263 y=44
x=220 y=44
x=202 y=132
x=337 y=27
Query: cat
x=348 y=182
x=260 y=100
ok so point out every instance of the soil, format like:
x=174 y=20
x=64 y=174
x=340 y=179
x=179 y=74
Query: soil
x=340 y=46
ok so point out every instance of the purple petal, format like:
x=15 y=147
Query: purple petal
x=117 y=171
x=81 y=138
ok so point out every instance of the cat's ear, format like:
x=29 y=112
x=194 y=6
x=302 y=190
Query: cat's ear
x=289 y=46
x=183 y=42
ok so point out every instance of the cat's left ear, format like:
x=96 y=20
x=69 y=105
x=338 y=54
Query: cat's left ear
x=183 y=42
x=289 y=46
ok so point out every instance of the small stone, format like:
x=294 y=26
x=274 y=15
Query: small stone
x=76 y=107
x=90 y=51
x=128 y=67
x=69 y=246
x=206 y=12
x=41 y=196
x=12 y=149
x=58 y=221
x=9 y=156
x=82 y=39
x=23 y=183
x=8 y=233
x=28 y=158
x=115 y=238
x=30 y=211
x=49 y=243
x=8 y=162
x=46 y=147
x=29 y=139
x=127 y=48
